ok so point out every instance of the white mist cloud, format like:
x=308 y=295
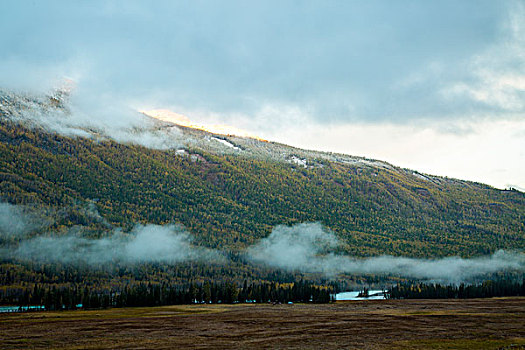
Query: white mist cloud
x=148 y=243
x=309 y=248
x=294 y=247
x=88 y=114
x=17 y=220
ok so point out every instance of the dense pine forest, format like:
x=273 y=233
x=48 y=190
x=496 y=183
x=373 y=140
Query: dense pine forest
x=148 y=294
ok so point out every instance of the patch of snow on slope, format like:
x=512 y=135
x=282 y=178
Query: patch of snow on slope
x=365 y=162
x=422 y=177
x=226 y=143
x=298 y=161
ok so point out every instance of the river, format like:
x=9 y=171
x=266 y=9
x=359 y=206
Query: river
x=353 y=295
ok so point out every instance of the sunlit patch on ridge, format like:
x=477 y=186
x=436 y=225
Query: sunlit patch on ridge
x=182 y=120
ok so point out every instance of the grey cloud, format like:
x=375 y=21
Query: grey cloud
x=495 y=78
x=311 y=248
x=343 y=60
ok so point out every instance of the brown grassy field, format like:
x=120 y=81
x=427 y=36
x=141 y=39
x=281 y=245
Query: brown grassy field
x=394 y=324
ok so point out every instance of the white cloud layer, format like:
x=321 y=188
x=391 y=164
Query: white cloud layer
x=17 y=220
x=307 y=247
x=145 y=243
x=310 y=248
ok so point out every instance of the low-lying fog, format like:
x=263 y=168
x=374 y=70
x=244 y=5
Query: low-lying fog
x=307 y=247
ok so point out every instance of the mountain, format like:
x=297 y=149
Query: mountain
x=229 y=191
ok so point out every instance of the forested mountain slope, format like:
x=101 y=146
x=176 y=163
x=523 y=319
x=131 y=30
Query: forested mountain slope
x=229 y=191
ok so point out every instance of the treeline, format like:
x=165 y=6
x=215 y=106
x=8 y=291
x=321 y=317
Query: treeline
x=487 y=289
x=148 y=294
x=13 y=275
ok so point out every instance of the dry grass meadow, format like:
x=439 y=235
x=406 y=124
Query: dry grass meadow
x=497 y=323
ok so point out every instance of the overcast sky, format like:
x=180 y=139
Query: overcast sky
x=435 y=86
